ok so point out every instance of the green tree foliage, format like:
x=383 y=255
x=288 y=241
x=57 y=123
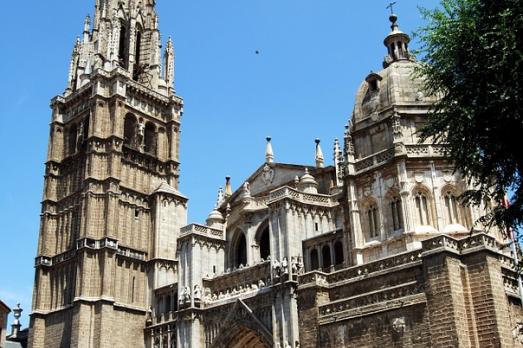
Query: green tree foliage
x=472 y=56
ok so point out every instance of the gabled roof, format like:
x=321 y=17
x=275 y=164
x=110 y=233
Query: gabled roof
x=264 y=181
x=4 y=308
x=168 y=189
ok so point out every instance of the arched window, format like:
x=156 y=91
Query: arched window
x=138 y=47
x=338 y=253
x=240 y=251
x=265 y=244
x=130 y=130
x=71 y=141
x=451 y=207
x=326 y=256
x=150 y=138
x=315 y=264
x=373 y=221
x=168 y=304
x=138 y=66
x=122 y=49
x=422 y=208
x=396 y=213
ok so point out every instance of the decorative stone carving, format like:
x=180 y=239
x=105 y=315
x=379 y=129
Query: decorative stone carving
x=197 y=292
x=398 y=325
x=517 y=332
x=268 y=174
x=285 y=266
x=276 y=268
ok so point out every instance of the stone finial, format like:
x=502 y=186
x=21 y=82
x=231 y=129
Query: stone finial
x=228 y=187
x=169 y=63
x=338 y=160
x=87 y=24
x=269 y=154
x=320 y=163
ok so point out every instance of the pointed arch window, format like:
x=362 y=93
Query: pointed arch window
x=130 y=130
x=265 y=244
x=396 y=213
x=373 y=221
x=122 y=48
x=150 y=138
x=72 y=139
x=451 y=207
x=326 y=257
x=422 y=208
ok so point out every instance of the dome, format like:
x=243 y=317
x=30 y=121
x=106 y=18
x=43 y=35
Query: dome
x=393 y=85
x=396 y=84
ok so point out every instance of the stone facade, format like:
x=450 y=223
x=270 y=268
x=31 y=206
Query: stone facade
x=373 y=251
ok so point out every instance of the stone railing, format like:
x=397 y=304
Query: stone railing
x=409 y=258
x=391 y=293
x=91 y=244
x=374 y=160
x=201 y=230
x=424 y=150
x=289 y=192
x=459 y=246
x=238 y=281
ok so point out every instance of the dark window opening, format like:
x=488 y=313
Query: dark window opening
x=316 y=227
x=241 y=251
x=138 y=67
x=373 y=85
x=265 y=244
x=136 y=213
x=130 y=130
x=338 y=253
x=122 y=50
x=150 y=138
x=326 y=256
x=72 y=135
x=314 y=259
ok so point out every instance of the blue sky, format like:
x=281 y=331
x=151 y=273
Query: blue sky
x=313 y=56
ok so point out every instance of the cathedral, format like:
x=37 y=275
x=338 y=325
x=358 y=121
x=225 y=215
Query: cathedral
x=372 y=251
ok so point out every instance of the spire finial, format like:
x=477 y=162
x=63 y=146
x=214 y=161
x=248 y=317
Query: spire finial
x=319 y=155
x=87 y=24
x=269 y=155
x=228 y=188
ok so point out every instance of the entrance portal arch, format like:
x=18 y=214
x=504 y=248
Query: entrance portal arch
x=246 y=338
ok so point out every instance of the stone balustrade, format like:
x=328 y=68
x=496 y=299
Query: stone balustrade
x=289 y=192
x=237 y=282
x=202 y=230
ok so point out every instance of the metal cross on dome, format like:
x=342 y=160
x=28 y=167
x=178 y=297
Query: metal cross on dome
x=391 y=6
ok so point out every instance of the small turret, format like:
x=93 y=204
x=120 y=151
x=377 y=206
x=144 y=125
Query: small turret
x=397 y=43
x=307 y=183
x=216 y=218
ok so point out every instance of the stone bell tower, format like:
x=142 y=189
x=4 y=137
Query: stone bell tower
x=111 y=209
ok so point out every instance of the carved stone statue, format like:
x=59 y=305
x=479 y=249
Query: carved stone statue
x=197 y=292
x=285 y=266
x=276 y=268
